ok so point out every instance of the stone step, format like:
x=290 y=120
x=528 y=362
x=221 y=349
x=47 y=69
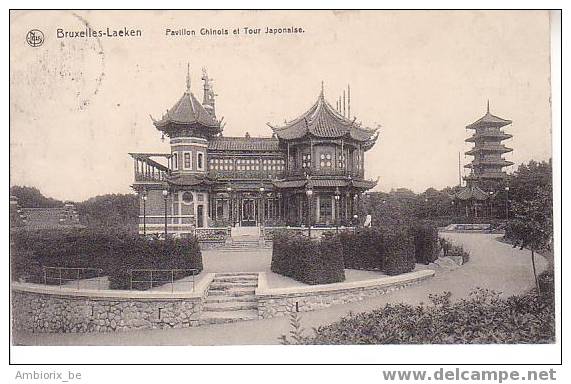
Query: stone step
x=227 y=299
x=239 y=291
x=241 y=249
x=235 y=279
x=233 y=284
x=228 y=317
x=230 y=306
x=236 y=274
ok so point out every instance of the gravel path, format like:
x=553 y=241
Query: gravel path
x=493 y=265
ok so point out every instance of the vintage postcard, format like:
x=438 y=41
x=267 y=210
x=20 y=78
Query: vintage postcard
x=209 y=178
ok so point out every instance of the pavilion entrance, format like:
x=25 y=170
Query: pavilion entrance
x=248 y=213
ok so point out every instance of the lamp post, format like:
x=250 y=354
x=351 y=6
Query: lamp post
x=144 y=198
x=262 y=189
x=230 y=205
x=490 y=203
x=337 y=197
x=507 y=189
x=165 y=196
x=309 y=193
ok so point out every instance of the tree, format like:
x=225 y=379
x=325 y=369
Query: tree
x=110 y=211
x=532 y=226
x=30 y=197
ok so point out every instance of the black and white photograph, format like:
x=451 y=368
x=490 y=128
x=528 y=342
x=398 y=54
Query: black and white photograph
x=210 y=178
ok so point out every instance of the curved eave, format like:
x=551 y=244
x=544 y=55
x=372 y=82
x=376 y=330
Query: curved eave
x=499 y=137
x=489 y=120
x=502 y=163
x=490 y=150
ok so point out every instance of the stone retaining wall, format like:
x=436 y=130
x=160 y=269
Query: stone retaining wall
x=38 y=308
x=280 y=301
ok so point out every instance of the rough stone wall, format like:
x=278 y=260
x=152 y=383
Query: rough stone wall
x=39 y=312
x=281 y=304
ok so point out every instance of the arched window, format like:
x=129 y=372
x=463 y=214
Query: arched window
x=200 y=161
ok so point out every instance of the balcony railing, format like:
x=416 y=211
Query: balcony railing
x=297 y=172
x=156 y=176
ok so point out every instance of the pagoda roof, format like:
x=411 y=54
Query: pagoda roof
x=471 y=193
x=259 y=144
x=489 y=119
x=312 y=183
x=322 y=120
x=488 y=148
x=500 y=162
x=187 y=111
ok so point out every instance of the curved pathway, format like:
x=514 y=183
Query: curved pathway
x=492 y=265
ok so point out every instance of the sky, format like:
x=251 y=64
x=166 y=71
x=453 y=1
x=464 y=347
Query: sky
x=78 y=106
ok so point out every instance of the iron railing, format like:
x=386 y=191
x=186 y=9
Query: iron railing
x=68 y=274
x=152 y=277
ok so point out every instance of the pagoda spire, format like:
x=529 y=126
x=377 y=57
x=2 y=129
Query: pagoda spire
x=187 y=77
x=488 y=106
x=322 y=94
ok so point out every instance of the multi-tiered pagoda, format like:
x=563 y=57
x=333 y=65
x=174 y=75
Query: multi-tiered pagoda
x=487 y=175
x=487 y=168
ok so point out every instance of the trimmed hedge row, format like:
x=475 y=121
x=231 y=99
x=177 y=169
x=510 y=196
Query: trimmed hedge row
x=390 y=250
x=426 y=246
x=115 y=253
x=310 y=261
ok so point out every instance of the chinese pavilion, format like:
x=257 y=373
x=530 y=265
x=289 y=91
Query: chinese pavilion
x=310 y=171
x=487 y=175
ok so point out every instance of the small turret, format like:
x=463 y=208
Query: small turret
x=208 y=99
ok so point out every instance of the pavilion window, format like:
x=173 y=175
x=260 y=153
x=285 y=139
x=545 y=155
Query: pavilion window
x=325 y=160
x=187 y=160
x=175 y=161
x=200 y=161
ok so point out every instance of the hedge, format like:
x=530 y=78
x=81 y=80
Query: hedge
x=114 y=252
x=311 y=261
x=484 y=317
x=426 y=245
x=362 y=249
x=388 y=249
x=398 y=251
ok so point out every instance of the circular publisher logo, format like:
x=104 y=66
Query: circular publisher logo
x=35 y=38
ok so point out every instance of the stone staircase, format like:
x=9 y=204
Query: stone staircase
x=244 y=239
x=231 y=297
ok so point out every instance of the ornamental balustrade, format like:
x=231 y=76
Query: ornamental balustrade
x=213 y=234
x=312 y=171
x=267 y=233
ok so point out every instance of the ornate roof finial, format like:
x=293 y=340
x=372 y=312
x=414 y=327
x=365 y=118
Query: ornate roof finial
x=488 y=107
x=188 y=77
x=322 y=88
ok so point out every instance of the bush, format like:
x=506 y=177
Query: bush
x=114 y=252
x=310 y=261
x=362 y=249
x=425 y=243
x=398 y=251
x=481 y=318
x=458 y=250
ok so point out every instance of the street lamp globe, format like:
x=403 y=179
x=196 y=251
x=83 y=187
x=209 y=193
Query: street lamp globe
x=165 y=193
x=309 y=192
